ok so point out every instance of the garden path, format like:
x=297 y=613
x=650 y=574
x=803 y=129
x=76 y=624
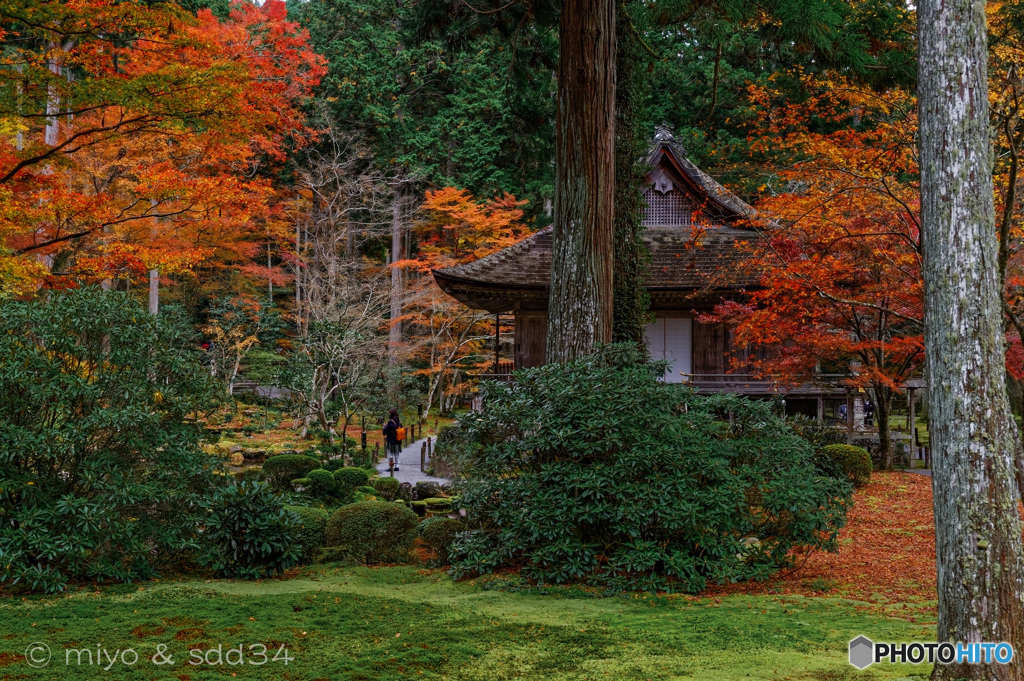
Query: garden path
x=409 y=466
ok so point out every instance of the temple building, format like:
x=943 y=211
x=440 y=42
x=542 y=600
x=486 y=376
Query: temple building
x=694 y=229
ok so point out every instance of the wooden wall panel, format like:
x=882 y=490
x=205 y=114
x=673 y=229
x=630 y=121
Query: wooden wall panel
x=709 y=348
x=531 y=337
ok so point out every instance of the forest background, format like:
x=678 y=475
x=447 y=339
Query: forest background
x=286 y=175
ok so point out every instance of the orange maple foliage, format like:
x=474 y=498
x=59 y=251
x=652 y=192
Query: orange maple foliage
x=838 y=256
x=449 y=337
x=164 y=120
x=886 y=553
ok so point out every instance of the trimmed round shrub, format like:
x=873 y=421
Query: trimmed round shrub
x=322 y=484
x=386 y=487
x=438 y=534
x=247 y=532
x=311 y=530
x=845 y=462
x=366 y=489
x=349 y=479
x=283 y=468
x=372 y=532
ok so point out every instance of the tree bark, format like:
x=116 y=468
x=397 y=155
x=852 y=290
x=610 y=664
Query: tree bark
x=973 y=435
x=631 y=259
x=154 y=291
x=397 y=229
x=883 y=410
x=580 y=299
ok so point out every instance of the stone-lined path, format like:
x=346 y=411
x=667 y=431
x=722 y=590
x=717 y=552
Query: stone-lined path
x=409 y=466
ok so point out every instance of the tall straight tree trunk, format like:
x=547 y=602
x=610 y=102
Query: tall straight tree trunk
x=580 y=300
x=973 y=435
x=397 y=230
x=631 y=260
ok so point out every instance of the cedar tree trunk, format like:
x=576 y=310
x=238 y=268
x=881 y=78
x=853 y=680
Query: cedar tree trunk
x=973 y=435
x=397 y=231
x=580 y=303
x=632 y=258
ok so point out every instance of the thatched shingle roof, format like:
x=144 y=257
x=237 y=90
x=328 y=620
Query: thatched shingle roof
x=704 y=255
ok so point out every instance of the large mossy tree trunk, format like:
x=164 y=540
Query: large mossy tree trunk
x=580 y=300
x=973 y=435
x=631 y=302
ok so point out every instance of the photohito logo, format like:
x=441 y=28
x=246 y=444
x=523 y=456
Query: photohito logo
x=864 y=652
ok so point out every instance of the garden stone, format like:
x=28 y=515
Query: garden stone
x=427 y=490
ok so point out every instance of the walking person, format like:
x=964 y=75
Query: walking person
x=394 y=433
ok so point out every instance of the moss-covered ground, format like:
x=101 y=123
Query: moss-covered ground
x=404 y=623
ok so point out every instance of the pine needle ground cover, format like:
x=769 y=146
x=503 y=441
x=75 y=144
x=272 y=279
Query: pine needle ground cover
x=406 y=623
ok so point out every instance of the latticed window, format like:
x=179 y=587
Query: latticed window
x=671 y=209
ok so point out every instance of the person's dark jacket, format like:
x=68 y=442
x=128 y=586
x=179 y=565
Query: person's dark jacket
x=391 y=431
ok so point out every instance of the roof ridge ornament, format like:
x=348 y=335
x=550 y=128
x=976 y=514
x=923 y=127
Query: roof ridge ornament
x=665 y=134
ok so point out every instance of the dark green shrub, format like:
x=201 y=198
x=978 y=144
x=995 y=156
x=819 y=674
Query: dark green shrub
x=101 y=465
x=322 y=484
x=386 y=487
x=248 y=533
x=311 y=530
x=438 y=534
x=372 y=532
x=283 y=468
x=348 y=480
x=814 y=431
x=595 y=470
x=846 y=462
x=366 y=489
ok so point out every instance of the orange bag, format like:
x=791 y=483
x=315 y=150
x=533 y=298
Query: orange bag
x=400 y=433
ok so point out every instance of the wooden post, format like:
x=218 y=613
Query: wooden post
x=423 y=457
x=430 y=451
x=912 y=424
x=497 y=342
x=849 y=417
x=821 y=408
x=435 y=426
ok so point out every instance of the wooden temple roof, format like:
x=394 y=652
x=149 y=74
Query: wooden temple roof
x=693 y=229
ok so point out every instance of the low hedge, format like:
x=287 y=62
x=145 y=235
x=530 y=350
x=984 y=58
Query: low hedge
x=283 y=468
x=438 y=533
x=311 y=530
x=845 y=461
x=372 y=532
x=386 y=487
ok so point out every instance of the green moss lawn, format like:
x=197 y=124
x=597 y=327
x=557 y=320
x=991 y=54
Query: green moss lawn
x=404 y=623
